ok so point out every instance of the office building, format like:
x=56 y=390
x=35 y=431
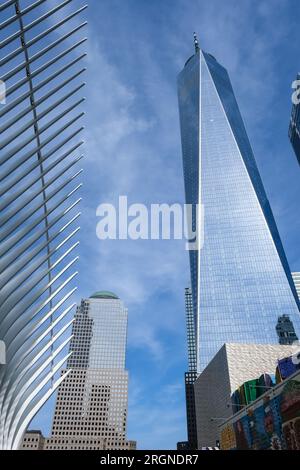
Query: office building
x=190 y=376
x=270 y=422
x=40 y=115
x=240 y=278
x=233 y=365
x=294 y=128
x=285 y=327
x=91 y=405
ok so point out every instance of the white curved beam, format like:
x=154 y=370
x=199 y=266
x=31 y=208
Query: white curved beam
x=35 y=282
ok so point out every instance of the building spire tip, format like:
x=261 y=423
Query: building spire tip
x=196 y=43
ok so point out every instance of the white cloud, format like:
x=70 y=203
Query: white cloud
x=133 y=148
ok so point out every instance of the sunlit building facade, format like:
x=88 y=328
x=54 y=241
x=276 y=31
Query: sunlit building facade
x=233 y=365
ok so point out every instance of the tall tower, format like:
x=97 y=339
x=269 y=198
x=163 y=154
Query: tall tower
x=91 y=405
x=240 y=278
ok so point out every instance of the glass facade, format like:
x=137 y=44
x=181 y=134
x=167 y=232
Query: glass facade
x=42 y=53
x=241 y=282
x=100 y=334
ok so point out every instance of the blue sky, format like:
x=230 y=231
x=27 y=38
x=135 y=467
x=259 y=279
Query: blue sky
x=136 y=49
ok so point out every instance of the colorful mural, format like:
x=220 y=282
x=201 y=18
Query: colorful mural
x=271 y=422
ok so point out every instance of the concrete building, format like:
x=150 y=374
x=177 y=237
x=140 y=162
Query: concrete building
x=91 y=404
x=231 y=367
x=285 y=327
x=34 y=440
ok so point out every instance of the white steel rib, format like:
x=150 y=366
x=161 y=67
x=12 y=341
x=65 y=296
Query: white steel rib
x=41 y=67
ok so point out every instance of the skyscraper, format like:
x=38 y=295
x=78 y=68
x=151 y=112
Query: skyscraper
x=294 y=129
x=191 y=340
x=91 y=405
x=41 y=71
x=240 y=279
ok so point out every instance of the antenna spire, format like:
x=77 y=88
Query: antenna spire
x=196 y=43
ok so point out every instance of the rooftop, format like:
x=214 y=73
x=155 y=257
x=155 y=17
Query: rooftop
x=104 y=294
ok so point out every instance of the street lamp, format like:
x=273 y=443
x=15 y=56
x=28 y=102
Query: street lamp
x=219 y=419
